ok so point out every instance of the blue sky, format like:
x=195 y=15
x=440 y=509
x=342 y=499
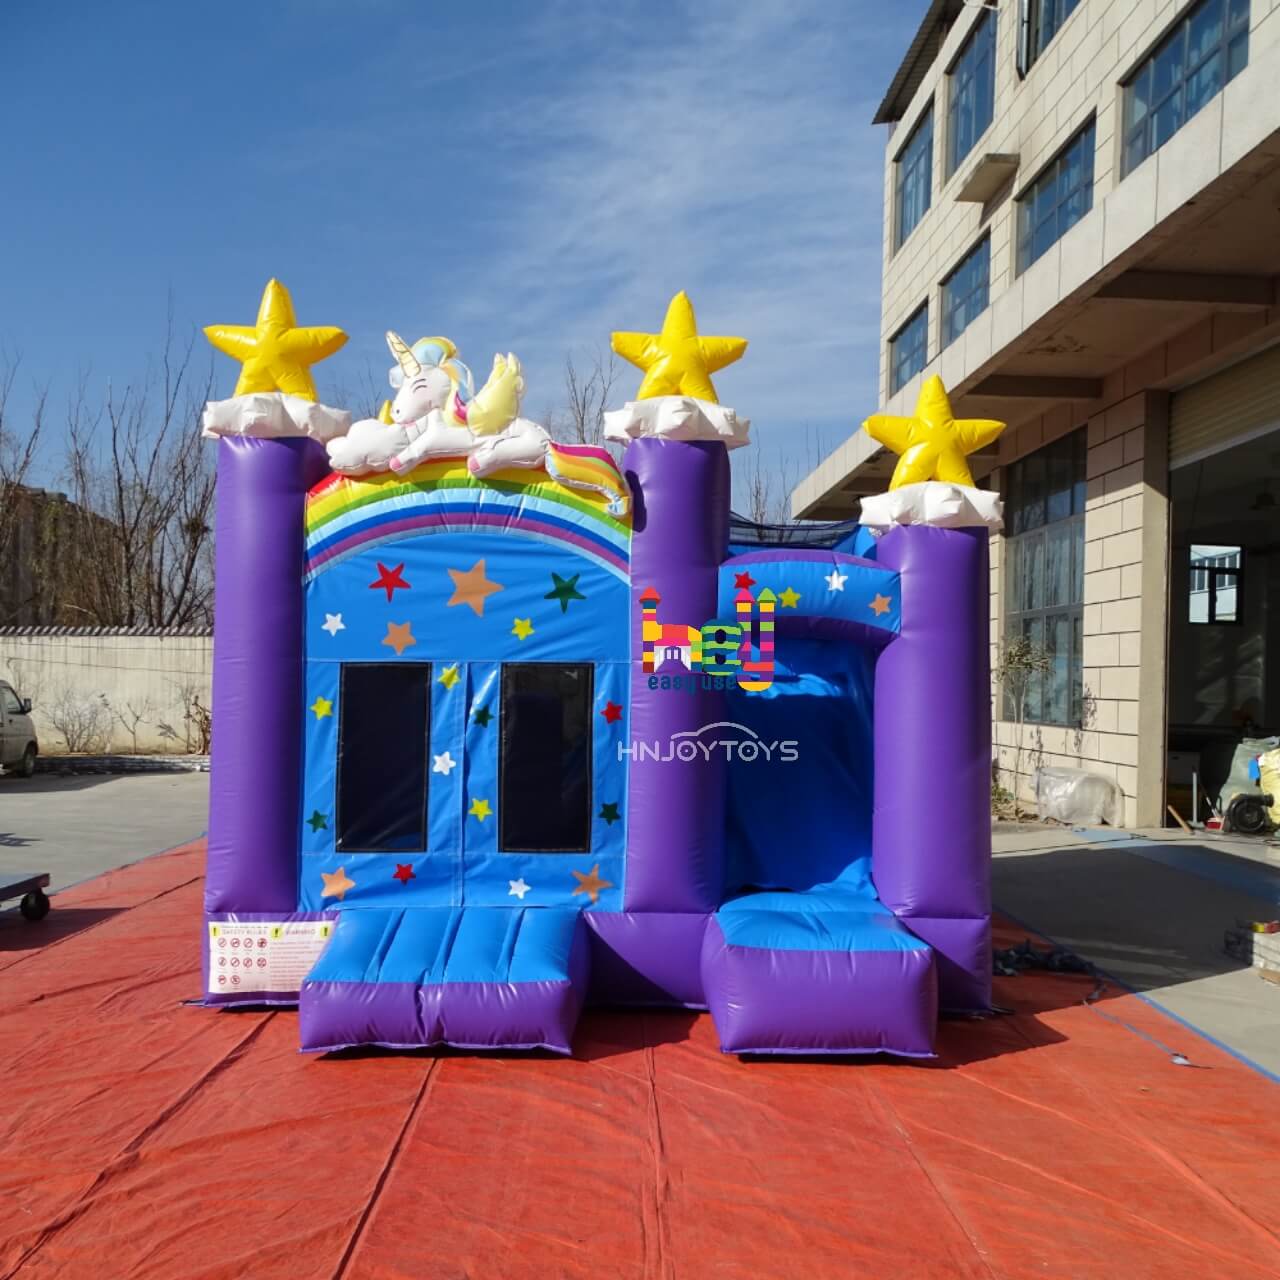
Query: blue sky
x=515 y=175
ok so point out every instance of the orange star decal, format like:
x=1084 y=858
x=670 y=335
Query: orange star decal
x=589 y=882
x=399 y=637
x=472 y=588
x=336 y=884
x=881 y=605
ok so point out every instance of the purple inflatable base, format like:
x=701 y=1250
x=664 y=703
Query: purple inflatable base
x=646 y=959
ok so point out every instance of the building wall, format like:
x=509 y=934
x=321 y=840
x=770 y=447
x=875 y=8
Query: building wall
x=69 y=672
x=1078 y=73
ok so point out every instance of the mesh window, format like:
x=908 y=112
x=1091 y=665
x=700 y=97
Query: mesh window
x=544 y=761
x=384 y=737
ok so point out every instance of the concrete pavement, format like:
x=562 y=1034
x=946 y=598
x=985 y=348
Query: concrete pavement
x=80 y=826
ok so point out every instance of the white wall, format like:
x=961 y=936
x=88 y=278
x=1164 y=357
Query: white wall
x=153 y=675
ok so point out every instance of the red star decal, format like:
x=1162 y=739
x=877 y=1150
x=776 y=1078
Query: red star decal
x=389 y=579
x=404 y=872
x=612 y=713
x=743 y=581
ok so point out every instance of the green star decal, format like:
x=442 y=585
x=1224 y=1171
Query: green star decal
x=565 y=589
x=482 y=716
x=318 y=822
x=609 y=812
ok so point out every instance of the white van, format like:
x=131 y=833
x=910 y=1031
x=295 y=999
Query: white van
x=18 y=745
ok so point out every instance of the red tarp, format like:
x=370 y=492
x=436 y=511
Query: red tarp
x=145 y=1138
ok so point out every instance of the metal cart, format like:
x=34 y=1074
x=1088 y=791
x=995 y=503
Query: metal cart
x=30 y=888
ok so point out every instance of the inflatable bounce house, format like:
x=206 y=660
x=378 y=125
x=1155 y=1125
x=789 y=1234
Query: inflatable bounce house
x=501 y=728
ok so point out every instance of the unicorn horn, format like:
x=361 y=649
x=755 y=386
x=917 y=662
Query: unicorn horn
x=405 y=358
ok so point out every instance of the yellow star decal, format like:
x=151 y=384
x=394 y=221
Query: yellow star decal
x=589 y=882
x=449 y=676
x=336 y=884
x=322 y=707
x=523 y=628
x=399 y=637
x=275 y=354
x=881 y=605
x=677 y=362
x=480 y=810
x=472 y=588
x=789 y=598
x=933 y=445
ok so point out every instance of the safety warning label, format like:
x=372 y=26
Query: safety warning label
x=258 y=956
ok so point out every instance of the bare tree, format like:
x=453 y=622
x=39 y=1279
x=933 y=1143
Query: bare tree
x=18 y=448
x=587 y=392
x=365 y=398
x=765 y=491
x=142 y=482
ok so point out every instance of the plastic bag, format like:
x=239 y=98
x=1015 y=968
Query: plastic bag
x=1078 y=798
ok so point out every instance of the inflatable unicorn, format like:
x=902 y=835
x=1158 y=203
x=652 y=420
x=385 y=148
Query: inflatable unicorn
x=437 y=413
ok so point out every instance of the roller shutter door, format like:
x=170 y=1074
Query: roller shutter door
x=1225 y=409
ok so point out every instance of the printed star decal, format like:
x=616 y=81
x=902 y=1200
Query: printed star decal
x=522 y=629
x=612 y=712
x=322 y=707
x=449 y=676
x=789 y=598
x=399 y=637
x=932 y=445
x=482 y=716
x=472 y=588
x=609 y=812
x=336 y=884
x=445 y=764
x=276 y=355
x=590 y=883
x=333 y=623
x=880 y=605
x=564 y=590
x=480 y=810
x=836 y=580
x=743 y=581
x=677 y=362
x=390 y=580
x=404 y=872
x=518 y=888
x=318 y=822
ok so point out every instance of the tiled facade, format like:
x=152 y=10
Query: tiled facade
x=1219 y=154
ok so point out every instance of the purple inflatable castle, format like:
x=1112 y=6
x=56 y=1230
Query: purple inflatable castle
x=496 y=740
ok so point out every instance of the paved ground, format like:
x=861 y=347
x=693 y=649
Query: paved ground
x=1152 y=912
x=79 y=827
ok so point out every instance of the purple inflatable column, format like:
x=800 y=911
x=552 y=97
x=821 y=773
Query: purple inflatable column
x=257 y=673
x=680 y=537
x=931 y=831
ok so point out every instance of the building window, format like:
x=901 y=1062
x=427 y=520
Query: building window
x=1057 y=199
x=1044 y=580
x=1041 y=20
x=965 y=291
x=1209 y=47
x=384 y=736
x=913 y=179
x=909 y=350
x=973 y=91
x=544 y=758
x=1215 y=583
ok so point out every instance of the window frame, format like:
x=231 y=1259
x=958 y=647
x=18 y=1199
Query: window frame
x=1073 y=449
x=1027 y=221
x=984 y=28
x=1233 y=29
x=901 y=173
x=949 y=335
x=506 y=847
x=920 y=313
x=1213 y=574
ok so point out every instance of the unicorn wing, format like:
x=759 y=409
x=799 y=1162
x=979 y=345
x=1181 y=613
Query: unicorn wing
x=497 y=403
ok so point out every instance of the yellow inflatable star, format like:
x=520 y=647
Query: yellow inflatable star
x=677 y=362
x=276 y=355
x=933 y=445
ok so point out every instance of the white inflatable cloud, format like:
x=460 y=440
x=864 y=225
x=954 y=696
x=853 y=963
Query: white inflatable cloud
x=676 y=418
x=367 y=447
x=933 y=502
x=273 y=415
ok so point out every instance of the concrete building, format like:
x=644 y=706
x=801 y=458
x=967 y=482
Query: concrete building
x=1082 y=237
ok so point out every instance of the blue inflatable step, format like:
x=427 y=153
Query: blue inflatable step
x=471 y=977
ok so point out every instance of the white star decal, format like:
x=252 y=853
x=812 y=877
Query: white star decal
x=518 y=888
x=836 y=580
x=333 y=623
x=444 y=764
